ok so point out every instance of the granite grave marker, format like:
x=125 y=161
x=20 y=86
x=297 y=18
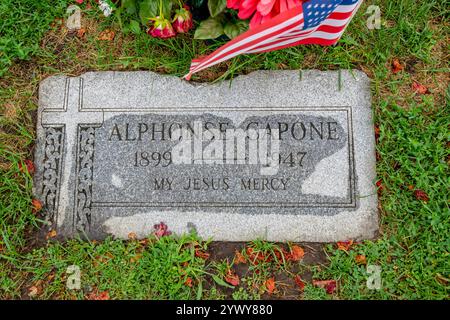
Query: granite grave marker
x=275 y=155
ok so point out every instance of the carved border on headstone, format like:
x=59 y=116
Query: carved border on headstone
x=84 y=172
x=53 y=151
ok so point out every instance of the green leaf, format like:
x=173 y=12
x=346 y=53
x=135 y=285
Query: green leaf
x=199 y=290
x=210 y=28
x=216 y=6
x=135 y=27
x=232 y=30
x=222 y=283
x=148 y=9
x=167 y=9
x=129 y=6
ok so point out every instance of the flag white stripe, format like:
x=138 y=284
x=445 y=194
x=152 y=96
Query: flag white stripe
x=335 y=22
x=343 y=8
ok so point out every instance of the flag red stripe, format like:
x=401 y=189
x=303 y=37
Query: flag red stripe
x=340 y=15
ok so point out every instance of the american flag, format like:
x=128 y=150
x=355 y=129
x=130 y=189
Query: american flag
x=319 y=22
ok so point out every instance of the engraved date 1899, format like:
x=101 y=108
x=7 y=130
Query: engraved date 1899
x=155 y=159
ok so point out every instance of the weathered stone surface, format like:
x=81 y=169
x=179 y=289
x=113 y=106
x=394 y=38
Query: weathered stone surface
x=107 y=162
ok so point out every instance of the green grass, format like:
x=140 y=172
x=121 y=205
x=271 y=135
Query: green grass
x=22 y=24
x=413 y=153
x=127 y=270
x=413 y=251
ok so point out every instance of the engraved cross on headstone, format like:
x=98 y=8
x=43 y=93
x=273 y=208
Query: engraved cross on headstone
x=72 y=117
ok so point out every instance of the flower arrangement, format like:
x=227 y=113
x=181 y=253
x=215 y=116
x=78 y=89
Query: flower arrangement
x=167 y=18
x=223 y=18
x=162 y=18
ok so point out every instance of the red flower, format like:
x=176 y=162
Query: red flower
x=261 y=10
x=161 y=28
x=182 y=22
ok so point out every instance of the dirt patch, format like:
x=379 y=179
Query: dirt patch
x=314 y=253
x=286 y=287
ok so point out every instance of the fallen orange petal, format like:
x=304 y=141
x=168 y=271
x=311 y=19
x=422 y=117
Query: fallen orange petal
x=81 y=32
x=396 y=66
x=232 y=278
x=29 y=165
x=270 y=285
x=297 y=253
x=37 y=205
x=344 y=245
x=419 y=88
x=201 y=254
x=239 y=258
x=188 y=282
x=106 y=35
x=328 y=285
x=298 y=280
x=361 y=259
x=421 y=195
x=104 y=295
x=51 y=234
